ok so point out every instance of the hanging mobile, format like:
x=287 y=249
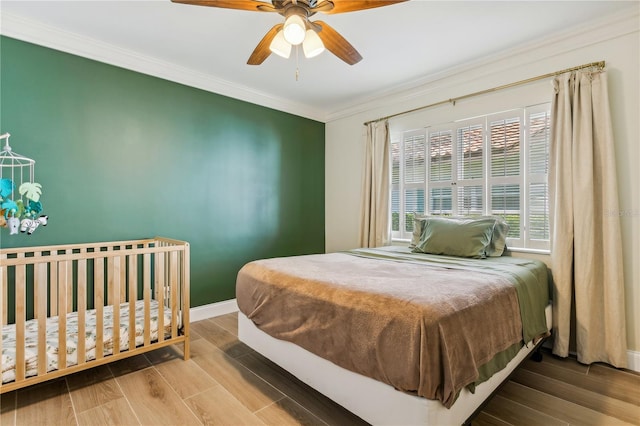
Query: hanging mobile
x=20 y=205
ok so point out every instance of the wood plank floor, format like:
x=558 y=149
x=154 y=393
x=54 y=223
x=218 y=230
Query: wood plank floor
x=227 y=383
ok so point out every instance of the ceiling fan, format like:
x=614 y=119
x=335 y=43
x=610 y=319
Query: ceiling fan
x=297 y=28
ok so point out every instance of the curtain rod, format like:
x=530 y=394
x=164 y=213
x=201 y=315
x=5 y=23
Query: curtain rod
x=599 y=65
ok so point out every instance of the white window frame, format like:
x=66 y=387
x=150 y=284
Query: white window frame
x=523 y=180
x=456 y=164
x=440 y=184
x=536 y=244
x=519 y=180
x=402 y=187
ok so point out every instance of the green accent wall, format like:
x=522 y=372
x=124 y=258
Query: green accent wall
x=123 y=155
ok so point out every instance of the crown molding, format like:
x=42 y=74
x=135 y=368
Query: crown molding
x=593 y=32
x=31 y=31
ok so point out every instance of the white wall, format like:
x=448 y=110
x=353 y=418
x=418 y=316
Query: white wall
x=615 y=40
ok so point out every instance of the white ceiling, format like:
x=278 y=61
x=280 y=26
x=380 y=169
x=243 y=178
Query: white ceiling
x=400 y=44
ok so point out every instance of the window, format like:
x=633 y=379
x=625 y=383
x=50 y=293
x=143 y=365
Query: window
x=490 y=165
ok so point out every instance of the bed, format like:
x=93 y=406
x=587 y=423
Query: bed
x=394 y=336
x=67 y=308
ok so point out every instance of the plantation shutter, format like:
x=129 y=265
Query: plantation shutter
x=440 y=171
x=414 y=177
x=470 y=168
x=538 y=136
x=395 y=187
x=505 y=177
x=494 y=164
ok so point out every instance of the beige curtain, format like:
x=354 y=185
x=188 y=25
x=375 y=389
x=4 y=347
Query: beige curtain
x=374 y=212
x=586 y=250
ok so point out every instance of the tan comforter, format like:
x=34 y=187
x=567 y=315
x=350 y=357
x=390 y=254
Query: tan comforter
x=423 y=330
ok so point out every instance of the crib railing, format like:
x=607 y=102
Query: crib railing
x=38 y=283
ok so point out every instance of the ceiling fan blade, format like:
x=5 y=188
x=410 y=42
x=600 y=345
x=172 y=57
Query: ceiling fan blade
x=343 y=6
x=256 y=6
x=337 y=44
x=262 y=51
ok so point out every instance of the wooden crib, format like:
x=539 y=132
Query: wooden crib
x=125 y=297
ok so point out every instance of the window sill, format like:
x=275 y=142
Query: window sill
x=398 y=241
x=528 y=250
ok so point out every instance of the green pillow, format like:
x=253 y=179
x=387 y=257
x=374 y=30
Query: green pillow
x=498 y=238
x=498 y=242
x=418 y=220
x=463 y=237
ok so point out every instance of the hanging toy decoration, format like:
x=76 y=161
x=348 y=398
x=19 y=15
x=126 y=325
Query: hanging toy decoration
x=30 y=225
x=6 y=188
x=21 y=214
x=14 y=225
x=10 y=207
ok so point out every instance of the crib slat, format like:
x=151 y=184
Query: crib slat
x=35 y=297
x=64 y=280
x=40 y=288
x=123 y=279
x=114 y=274
x=184 y=296
x=146 y=282
x=36 y=302
x=53 y=289
x=69 y=279
x=133 y=297
x=98 y=304
x=21 y=312
x=4 y=284
x=4 y=291
x=160 y=288
x=82 y=310
x=110 y=281
x=173 y=270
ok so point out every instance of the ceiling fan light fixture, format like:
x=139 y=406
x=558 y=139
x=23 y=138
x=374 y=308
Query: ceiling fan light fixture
x=280 y=46
x=312 y=45
x=294 y=29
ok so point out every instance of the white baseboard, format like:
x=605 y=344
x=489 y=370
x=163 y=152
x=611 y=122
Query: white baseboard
x=213 y=310
x=633 y=360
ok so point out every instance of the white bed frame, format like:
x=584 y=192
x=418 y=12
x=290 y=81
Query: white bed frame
x=373 y=401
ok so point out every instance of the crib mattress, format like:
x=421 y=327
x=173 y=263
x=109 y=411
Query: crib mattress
x=31 y=337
